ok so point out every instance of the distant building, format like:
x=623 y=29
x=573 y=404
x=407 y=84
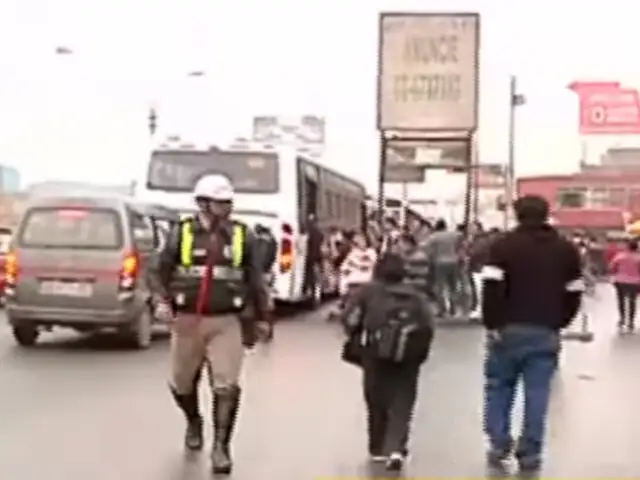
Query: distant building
x=621 y=160
x=12 y=206
x=10 y=181
x=621 y=157
x=595 y=200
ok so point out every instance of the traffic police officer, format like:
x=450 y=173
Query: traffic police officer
x=205 y=275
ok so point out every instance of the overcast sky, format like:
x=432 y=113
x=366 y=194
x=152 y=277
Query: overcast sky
x=83 y=116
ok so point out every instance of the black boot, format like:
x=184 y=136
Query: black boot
x=189 y=405
x=225 y=412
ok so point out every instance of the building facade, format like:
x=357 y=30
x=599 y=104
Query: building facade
x=10 y=181
x=600 y=200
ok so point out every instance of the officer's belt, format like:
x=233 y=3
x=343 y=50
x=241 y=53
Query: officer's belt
x=217 y=272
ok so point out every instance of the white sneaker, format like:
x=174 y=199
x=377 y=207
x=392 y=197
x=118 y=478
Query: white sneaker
x=395 y=461
x=378 y=458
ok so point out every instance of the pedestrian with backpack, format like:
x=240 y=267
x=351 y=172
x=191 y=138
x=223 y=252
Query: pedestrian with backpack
x=390 y=331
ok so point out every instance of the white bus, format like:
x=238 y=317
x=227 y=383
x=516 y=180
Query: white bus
x=277 y=188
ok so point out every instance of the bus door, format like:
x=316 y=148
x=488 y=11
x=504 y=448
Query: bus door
x=308 y=191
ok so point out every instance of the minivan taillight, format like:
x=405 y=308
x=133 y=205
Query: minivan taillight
x=11 y=269
x=129 y=271
x=286 y=248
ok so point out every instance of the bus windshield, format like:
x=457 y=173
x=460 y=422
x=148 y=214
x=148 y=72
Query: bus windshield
x=179 y=170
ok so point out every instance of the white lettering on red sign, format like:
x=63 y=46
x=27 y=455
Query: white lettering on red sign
x=608 y=108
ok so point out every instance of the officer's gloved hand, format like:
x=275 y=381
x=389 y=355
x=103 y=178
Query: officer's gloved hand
x=163 y=312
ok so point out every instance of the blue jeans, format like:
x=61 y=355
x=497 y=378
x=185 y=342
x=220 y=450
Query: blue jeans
x=521 y=352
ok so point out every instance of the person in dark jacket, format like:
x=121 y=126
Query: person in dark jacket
x=390 y=389
x=532 y=289
x=313 y=262
x=267 y=251
x=206 y=274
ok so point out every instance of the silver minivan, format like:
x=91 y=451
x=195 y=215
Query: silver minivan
x=80 y=263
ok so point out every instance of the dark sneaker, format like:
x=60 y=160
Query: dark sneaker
x=529 y=463
x=395 y=462
x=496 y=457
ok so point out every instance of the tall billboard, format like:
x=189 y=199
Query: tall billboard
x=428 y=71
x=278 y=129
x=607 y=108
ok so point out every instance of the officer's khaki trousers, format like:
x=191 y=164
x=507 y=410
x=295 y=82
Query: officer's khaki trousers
x=215 y=341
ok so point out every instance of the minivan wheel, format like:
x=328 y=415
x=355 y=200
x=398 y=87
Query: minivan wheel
x=140 y=332
x=26 y=335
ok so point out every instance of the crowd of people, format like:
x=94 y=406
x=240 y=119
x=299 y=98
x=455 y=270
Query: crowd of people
x=444 y=263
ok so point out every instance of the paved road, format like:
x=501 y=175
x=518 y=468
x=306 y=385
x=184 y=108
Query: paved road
x=77 y=409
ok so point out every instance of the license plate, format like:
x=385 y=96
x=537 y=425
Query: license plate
x=67 y=289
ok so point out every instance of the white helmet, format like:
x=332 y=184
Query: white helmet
x=214 y=187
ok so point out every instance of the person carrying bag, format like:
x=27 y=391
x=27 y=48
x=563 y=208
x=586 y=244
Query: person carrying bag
x=389 y=334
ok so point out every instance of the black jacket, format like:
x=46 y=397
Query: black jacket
x=532 y=276
x=164 y=264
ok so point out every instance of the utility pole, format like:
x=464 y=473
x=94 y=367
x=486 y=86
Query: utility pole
x=515 y=100
x=404 y=217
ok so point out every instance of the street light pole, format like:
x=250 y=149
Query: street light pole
x=153 y=110
x=515 y=100
x=152 y=113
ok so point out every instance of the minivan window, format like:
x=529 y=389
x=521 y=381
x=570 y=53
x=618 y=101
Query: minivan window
x=143 y=233
x=59 y=227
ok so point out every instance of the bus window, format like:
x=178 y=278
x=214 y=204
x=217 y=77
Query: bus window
x=330 y=208
x=179 y=170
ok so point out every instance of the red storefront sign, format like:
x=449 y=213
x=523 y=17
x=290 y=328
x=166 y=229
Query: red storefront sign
x=607 y=108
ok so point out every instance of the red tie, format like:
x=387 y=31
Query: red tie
x=205 y=285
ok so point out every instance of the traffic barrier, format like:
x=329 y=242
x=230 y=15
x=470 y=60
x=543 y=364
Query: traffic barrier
x=584 y=334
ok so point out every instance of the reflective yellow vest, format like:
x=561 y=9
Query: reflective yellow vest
x=186 y=245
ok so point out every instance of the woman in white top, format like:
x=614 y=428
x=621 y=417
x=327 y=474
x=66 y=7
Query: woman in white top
x=357 y=268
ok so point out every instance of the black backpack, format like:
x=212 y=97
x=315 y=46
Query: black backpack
x=402 y=330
